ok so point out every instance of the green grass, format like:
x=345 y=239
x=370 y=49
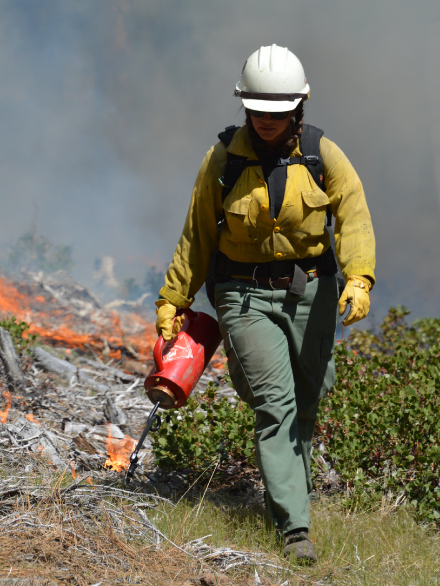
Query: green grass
x=375 y=547
x=383 y=547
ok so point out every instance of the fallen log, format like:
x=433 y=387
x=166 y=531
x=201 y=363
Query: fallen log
x=9 y=357
x=112 y=371
x=66 y=369
x=54 y=364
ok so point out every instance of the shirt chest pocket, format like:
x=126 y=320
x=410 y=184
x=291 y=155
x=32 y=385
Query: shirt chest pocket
x=238 y=218
x=314 y=199
x=314 y=207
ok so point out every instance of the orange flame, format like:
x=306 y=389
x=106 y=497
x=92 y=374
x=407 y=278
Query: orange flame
x=102 y=330
x=30 y=417
x=4 y=414
x=119 y=451
x=72 y=466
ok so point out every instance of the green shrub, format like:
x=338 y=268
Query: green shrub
x=380 y=424
x=17 y=329
x=207 y=429
x=424 y=331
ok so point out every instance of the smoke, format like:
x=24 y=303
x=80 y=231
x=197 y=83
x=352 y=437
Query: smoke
x=108 y=108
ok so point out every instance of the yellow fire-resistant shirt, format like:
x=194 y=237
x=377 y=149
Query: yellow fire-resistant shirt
x=250 y=235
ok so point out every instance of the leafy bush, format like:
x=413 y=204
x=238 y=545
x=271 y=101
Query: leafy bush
x=424 y=331
x=17 y=329
x=380 y=424
x=207 y=429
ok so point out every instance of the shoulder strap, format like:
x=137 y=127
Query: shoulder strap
x=234 y=163
x=309 y=145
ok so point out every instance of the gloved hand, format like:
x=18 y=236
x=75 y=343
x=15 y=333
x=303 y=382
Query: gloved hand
x=356 y=293
x=167 y=323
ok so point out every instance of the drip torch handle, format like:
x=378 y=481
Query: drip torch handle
x=157 y=354
x=135 y=455
x=159 y=346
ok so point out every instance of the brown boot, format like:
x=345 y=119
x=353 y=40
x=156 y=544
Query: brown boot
x=299 y=545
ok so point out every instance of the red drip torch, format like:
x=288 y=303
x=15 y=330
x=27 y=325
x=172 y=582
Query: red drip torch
x=178 y=365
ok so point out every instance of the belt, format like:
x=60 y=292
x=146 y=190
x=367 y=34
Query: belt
x=277 y=283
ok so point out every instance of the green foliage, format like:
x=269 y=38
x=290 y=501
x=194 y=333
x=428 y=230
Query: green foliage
x=394 y=329
x=33 y=252
x=17 y=329
x=207 y=429
x=380 y=422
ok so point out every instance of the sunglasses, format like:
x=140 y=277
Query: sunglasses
x=274 y=115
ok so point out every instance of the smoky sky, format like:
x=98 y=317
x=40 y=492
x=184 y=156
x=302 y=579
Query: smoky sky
x=108 y=107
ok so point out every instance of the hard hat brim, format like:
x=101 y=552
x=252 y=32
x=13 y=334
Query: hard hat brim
x=269 y=106
x=272 y=102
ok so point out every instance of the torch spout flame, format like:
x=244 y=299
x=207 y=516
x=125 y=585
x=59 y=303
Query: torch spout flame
x=118 y=451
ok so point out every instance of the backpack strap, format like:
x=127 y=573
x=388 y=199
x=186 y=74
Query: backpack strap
x=309 y=145
x=234 y=163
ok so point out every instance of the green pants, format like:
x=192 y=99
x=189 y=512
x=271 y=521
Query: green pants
x=280 y=355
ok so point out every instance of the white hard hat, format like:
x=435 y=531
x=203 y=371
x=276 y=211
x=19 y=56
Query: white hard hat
x=272 y=80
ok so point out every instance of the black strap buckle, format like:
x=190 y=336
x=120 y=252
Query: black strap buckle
x=311 y=160
x=282 y=162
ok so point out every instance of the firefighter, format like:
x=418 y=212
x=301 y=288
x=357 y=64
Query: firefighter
x=276 y=291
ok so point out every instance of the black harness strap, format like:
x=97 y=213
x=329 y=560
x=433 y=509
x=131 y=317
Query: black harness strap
x=309 y=144
x=235 y=164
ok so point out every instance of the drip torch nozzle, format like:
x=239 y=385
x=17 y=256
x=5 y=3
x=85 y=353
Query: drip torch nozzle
x=151 y=425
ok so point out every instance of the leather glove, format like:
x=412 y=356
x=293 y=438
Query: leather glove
x=356 y=293
x=167 y=323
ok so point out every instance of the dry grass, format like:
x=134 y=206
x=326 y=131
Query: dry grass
x=89 y=534
x=81 y=532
